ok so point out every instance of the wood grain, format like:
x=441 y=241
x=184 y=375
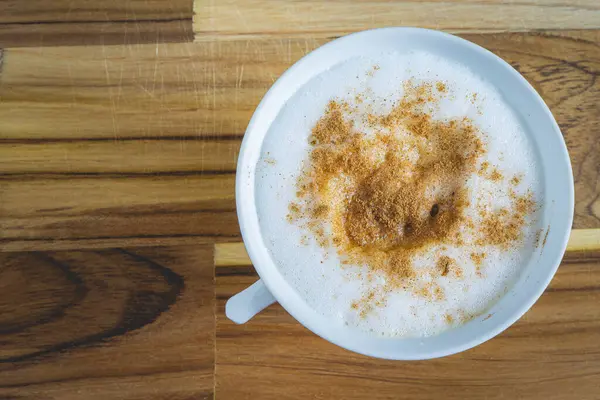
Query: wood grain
x=184 y=91
x=116 y=209
x=139 y=143
x=551 y=353
x=260 y=19
x=137 y=157
x=584 y=240
x=91 y=22
x=113 y=323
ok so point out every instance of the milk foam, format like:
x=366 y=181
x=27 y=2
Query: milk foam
x=316 y=273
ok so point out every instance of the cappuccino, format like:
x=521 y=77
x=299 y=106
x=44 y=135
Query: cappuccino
x=398 y=195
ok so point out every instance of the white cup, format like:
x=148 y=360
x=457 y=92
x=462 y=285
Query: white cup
x=556 y=213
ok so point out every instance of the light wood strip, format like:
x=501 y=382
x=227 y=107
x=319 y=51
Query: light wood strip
x=231 y=254
x=138 y=156
x=81 y=196
x=259 y=19
x=144 y=91
x=234 y=254
x=584 y=240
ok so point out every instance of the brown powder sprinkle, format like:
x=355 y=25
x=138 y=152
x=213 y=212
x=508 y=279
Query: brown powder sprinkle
x=498 y=231
x=546 y=236
x=431 y=291
x=443 y=265
x=515 y=180
x=465 y=317
x=446 y=265
x=486 y=170
x=495 y=175
x=370 y=300
x=374 y=69
x=483 y=168
x=294 y=212
x=449 y=318
x=387 y=197
x=320 y=211
x=304 y=240
x=523 y=204
x=438 y=292
x=478 y=258
x=504 y=227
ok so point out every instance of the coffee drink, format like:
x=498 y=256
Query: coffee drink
x=399 y=195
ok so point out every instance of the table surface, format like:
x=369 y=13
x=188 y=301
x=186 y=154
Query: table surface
x=120 y=124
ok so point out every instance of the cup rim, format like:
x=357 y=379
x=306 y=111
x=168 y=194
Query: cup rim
x=273 y=279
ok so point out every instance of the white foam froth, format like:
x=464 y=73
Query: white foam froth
x=316 y=273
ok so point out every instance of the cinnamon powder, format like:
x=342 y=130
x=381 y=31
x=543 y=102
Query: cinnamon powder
x=392 y=195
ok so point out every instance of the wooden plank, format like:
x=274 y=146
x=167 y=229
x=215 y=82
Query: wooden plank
x=83 y=196
x=145 y=91
x=131 y=157
x=94 y=33
x=13 y=11
x=143 y=240
x=116 y=209
x=173 y=90
x=582 y=240
x=259 y=19
x=118 y=228
x=117 y=323
x=231 y=254
x=111 y=122
x=274 y=357
x=35 y=23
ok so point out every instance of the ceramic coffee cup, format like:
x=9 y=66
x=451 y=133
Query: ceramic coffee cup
x=556 y=184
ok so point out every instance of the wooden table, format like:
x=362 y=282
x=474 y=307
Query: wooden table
x=120 y=123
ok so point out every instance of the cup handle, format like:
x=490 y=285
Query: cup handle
x=249 y=302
